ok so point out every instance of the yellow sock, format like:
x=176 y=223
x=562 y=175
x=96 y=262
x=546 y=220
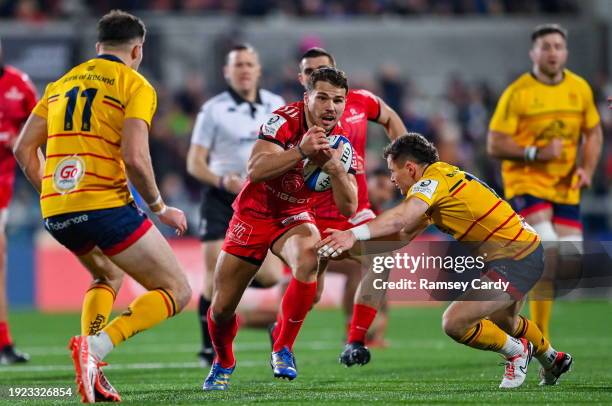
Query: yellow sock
x=529 y=330
x=143 y=313
x=485 y=335
x=540 y=305
x=97 y=306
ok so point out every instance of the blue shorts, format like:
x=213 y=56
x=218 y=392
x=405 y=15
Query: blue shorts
x=563 y=214
x=522 y=274
x=113 y=230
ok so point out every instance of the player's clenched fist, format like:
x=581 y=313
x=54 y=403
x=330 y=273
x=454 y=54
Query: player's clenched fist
x=175 y=218
x=314 y=141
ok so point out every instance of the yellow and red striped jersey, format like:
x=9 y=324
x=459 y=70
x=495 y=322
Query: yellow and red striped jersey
x=533 y=113
x=466 y=208
x=85 y=110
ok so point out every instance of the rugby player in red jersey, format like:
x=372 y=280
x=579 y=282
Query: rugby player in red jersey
x=362 y=107
x=273 y=210
x=17 y=99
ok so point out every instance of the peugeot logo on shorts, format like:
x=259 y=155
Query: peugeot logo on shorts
x=68 y=173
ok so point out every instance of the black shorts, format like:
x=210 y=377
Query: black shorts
x=522 y=274
x=216 y=212
x=113 y=230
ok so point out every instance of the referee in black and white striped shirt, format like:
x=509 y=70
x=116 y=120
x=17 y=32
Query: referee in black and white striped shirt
x=223 y=136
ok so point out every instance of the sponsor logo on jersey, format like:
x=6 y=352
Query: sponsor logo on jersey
x=271 y=127
x=240 y=232
x=14 y=94
x=286 y=197
x=303 y=216
x=426 y=187
x=68 y=173
x=292 y=182
x=354 y=117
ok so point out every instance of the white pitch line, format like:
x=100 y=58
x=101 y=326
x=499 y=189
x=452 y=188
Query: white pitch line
x=119 y=367
x=163 y=348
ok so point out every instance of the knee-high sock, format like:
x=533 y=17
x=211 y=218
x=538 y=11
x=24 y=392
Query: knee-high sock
x=97 y=307
x=486 y=335
x=297 y=302
x=542 y=349
x=144 y=312
x=540 y=305
x=222 y=336
x=203 y=305
x=5 y=334
x=362 y=319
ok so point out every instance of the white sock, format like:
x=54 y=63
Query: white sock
x=547 y=358
x=512 y=347
x=100 y=345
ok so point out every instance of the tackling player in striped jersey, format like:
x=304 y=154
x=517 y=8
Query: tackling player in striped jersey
x=471 y=212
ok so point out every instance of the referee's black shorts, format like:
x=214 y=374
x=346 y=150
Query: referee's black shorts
x=216 y=212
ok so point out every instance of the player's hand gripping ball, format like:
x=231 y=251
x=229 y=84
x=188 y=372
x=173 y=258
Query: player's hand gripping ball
x=314 y=177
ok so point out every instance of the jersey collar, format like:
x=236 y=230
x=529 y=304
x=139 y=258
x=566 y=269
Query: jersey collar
x=110 y=57
x=239 y=99
x=564 y=75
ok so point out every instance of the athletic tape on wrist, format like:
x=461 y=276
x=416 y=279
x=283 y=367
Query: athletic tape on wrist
x=361 y=232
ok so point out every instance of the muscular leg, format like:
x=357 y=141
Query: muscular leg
x=269 y=274
x=541 y=296
x=232 y=276
x=151 y=262
x=570 y=253
x=5 y=336
x=99 y=299
x=8 y=354
x=296 y=247
x=465 y=322
x=211 y=250
x=519 y=326
x=367 y=302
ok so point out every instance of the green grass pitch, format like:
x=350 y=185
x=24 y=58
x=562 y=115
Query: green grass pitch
x=421 y=366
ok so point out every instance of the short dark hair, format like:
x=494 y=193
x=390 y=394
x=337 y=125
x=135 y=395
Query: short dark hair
x=317 y=52
x=119 y=28
x=545 y=29
x=328 y=74
x=243 y=46
x=414 y=147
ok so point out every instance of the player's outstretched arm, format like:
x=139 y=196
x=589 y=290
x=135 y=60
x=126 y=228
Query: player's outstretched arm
x=407 y=216
x=135 y=154
x=27 y=149
x=269 y=160
x=593 y=141
x=391 y=121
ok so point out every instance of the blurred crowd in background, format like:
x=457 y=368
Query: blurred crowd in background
x=40 y=10
x=455 y=119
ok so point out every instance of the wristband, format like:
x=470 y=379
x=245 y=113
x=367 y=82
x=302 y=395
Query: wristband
x=220 y=185
x=299 y=148
x=361 y=232
x=158 y=205
x=530 y=153
x=161 y=211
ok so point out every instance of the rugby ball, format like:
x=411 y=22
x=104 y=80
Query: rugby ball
x=319 y=181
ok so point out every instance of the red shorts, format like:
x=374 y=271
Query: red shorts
x=6 y=190
x=249 y=238
x=361 y=217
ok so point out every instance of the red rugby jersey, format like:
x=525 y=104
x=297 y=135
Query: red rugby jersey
x=361 y=106
x=285 y=195
x=17 y=99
